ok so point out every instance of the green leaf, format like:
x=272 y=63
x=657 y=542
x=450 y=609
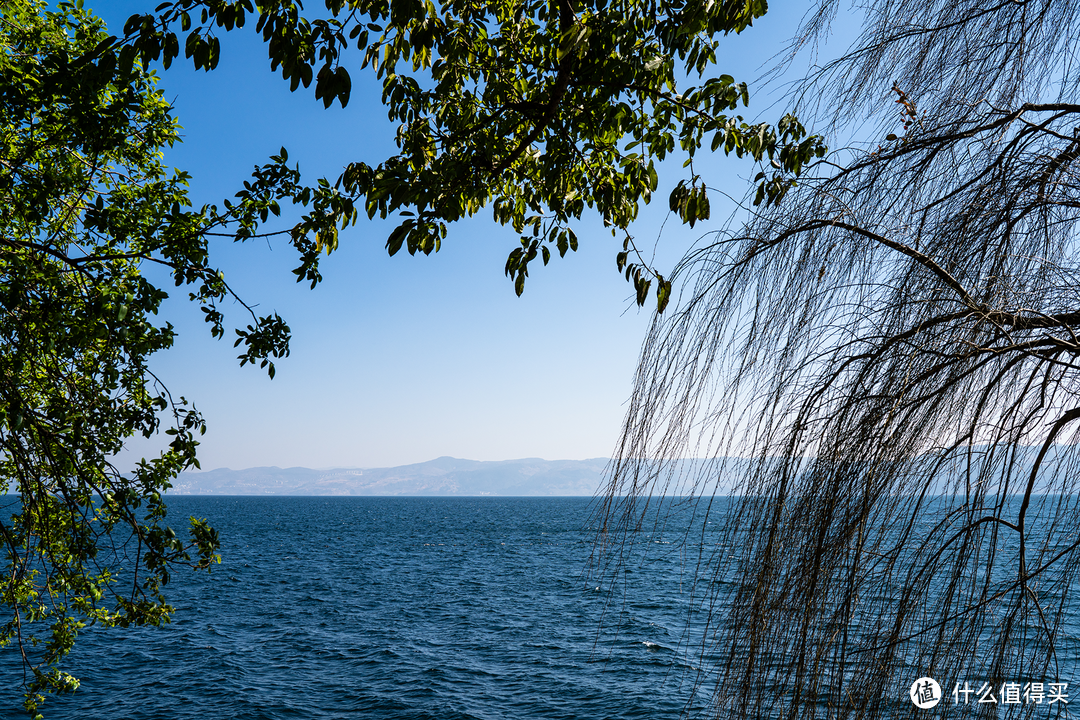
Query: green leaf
x=663 y=293
x=397 y=237
x=642 y=286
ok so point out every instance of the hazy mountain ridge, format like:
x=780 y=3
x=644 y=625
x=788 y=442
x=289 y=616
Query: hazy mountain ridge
x=442 y=476
x=532 y=477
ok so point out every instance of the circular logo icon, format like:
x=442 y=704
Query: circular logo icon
x=925 y=693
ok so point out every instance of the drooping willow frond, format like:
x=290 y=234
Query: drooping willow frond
x=885 y=372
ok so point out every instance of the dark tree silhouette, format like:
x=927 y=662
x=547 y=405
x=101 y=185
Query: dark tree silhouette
x=883 y=369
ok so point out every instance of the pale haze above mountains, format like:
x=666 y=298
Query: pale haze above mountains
x=442 y=476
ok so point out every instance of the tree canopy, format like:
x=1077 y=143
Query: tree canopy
x=539 y=110
x=86 y=205
x=882 y=368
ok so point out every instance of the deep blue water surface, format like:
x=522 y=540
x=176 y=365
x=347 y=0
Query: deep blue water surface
x=446 y=608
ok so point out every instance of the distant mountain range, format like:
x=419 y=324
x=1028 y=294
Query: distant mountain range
x=530 y=476
x=442 y=476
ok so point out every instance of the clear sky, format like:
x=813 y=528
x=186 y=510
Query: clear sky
x=403 y=359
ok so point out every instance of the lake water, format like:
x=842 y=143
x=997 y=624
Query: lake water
x=447 y=608
x=412 y=608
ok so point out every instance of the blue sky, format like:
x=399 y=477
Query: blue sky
x=403 y=359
